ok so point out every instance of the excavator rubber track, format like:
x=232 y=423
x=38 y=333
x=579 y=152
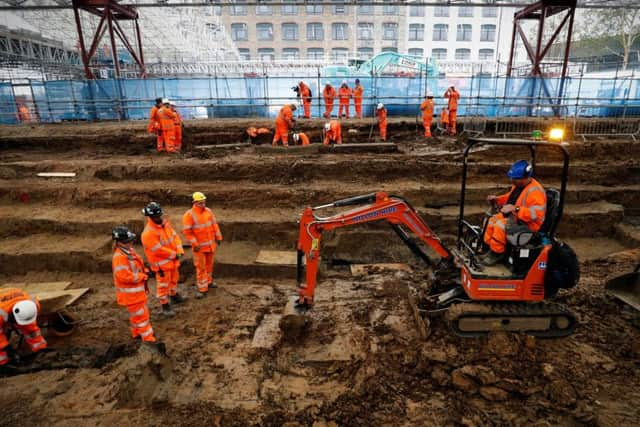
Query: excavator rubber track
x=543 y=320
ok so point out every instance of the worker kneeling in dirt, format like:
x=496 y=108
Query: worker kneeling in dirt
x=163 y=249
x=18 y=312
x=300 y=139
x=524 y=205
x=130 y=279
x=332 y=133
x=200 y=227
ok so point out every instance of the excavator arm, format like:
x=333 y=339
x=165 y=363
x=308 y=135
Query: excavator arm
x=377 y=206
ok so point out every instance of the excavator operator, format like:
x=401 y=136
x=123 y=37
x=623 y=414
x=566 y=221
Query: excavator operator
x=525 y=204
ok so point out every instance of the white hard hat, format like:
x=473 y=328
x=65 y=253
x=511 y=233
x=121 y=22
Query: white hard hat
x=327 y=126
x=296 y=137
x=344 y=82
x=380 y=106
x=165 y=101
x=327 y=83
x=172 y=103
x=25 y=312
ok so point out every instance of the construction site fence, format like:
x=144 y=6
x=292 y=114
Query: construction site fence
x=481 y=96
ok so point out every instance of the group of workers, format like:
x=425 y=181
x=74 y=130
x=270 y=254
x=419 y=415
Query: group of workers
x=448 y=114
x=163 y=250
x=166 y=123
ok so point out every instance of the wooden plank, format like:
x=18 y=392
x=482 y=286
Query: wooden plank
x=57 y=174
x=31 y=288
x=363 y=269
x=277 y=257
x=52 y=301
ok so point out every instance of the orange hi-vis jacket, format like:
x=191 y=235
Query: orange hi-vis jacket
x=200 y=227
x=532 y=204
x=129 y=276
x=161 y=245
x=357 y=93
x=305 y=92
x=166 y=118
x=154 y=122
x=8 y=298
x=329 y=95
x=334 y=133
x=344 y=93
x=382 y=115
x=453 y=99
x=285 y=117
x=427 y=109
x=444 y=117
x=304 y=139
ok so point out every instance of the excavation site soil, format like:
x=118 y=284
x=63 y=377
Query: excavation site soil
x=366 y=358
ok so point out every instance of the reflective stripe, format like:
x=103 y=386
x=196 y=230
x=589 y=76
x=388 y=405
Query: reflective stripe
x=206 y=224
x=141 y=324
x=38 y=345
x=156 y=247
x=207 y=243
x=139 y=312
x=186 y=227
x=499 y=224
x=163 y=262
x=3 y=357
x=4 y=315
x=162 y=285
x=130 y=290
x=533 y=209
x=120 y=268
x=146 y=333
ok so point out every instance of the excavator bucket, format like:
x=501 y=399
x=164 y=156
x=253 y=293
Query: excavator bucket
x=626 y=287
x=294 y=320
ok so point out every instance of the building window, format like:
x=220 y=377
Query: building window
x=439 y=54
x=390 y=49
x=263 y=10
x=440 y=32
x=314 y=9
x=389 y=31
x=238 y=10
x=339 y=54
x=416 y=52
x=416 y=11
x=464 y=33
x=290 y=53
x=365 y=9
x=485 y=54
x=315 y=53
x=487 y=33
x=340 y=9
x=365 y=52
x=245 y=54
x=340 y=31
x=264 y=31
x=289 y=9
x=489 y=12
x=266 y=54
x=441 y=11
x=463 y=54
x=239 y=32
x=416 y=32
x=465 y=12
x=365 y=31
x=289 y=31
x=315 y=31
x=390 y=9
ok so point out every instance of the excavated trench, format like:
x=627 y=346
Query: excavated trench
x=364 y=360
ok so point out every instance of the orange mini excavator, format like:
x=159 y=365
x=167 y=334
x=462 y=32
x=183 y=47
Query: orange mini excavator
x=476 y=298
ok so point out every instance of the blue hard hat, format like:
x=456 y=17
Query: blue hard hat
x=520 y=169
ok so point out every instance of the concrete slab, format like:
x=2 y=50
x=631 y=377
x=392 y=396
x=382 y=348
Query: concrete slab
x=268 y=333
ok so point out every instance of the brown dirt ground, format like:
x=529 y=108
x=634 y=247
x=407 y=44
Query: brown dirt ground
x=363 y=360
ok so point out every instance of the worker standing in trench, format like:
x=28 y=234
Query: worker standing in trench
x=154 y=125
x=453 y=96
x=201 y=229
x=167 y=118
x=427 y=115
x=130 y=279
x=381 y=113
x=284 y=123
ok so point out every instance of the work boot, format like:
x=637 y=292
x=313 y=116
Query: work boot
x=167 y=311
x=212 y=285
x=177 y=299
x=200 y=295
x=492 y=258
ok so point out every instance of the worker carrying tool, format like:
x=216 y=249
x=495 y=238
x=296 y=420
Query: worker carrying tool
x=332 y=133
x=453 y=95
x=381 y=114
x=167 y=118
x=163 y=249
x=427 y=114
x=154 y=125
x=523 y=207
x=177 y=128
x=344 y=94
x=300 y=139
x=329 y=94
x=18 y=312
x=358 y=92
x=130 y=279
x=284 y=123
x=201 y=229
x=305 y=95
